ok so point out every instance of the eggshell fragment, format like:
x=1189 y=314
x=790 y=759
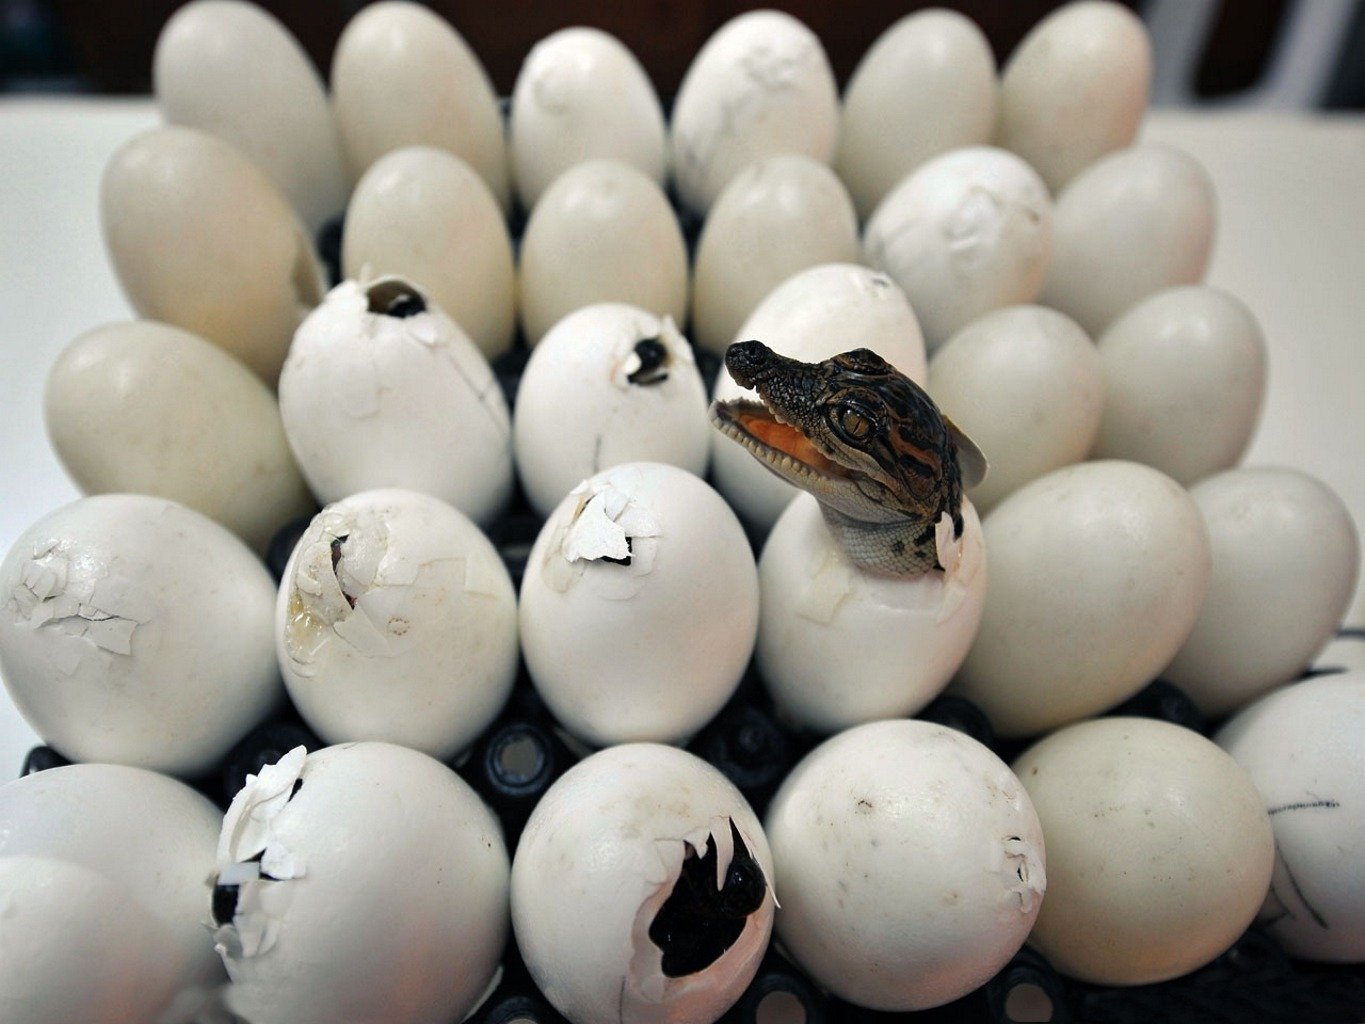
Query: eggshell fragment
x=1286 y=556
x=910 y=864
x=1098 y=572
x=606 y=847
x=1304 y=748
x=1159 y=850
x=148 y=408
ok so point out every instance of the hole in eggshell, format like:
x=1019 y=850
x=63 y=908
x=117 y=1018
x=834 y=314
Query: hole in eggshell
x=1028 y=1004
x=780 y=1008
x=653 y=368
x=394 y=297
x=630 y=549
x=336 y=563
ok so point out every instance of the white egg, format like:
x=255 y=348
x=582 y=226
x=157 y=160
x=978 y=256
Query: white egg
x=608 y=384
x=148 y=408
x=581 y=95
x=813 y=315
x=397 y=621
x=779 y=215
x=838 y=646
x=424 y=214
x=1135 y=222
x=1097 y=574
x=231 y=69
x=1025 y=384
x=1286 y=557
x=968 y=232
x=602 y=232
x=1185 y=375
x=1158 y=849
x=200 y=238
x=909 y=861
x=761 y=85
x=138 y=632
x=642 y=889
x=622 y=628
x=370 y=886
x=1075 y=88
x=1304 y=748
x=925 y=86
x=372 y=398
x=143 y=846
x=401 y=76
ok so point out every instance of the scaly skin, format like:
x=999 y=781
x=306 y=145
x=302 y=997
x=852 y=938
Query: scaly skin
x=865 y=440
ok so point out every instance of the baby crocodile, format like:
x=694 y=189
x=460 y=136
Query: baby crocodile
x=886 y=466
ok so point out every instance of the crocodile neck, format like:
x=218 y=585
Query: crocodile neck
x=899 y=548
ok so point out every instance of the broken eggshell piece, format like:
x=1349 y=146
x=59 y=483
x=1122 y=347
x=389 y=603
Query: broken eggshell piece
x=641 y=889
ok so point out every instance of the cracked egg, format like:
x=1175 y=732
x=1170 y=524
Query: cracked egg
x=641 y=889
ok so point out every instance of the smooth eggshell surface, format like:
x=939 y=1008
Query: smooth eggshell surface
x=277 y=114
x=603 y=232
x=201 y=238
x=967 y=232
x=925 y=86
x=147 y=408
x=387 y=901
x=1286 y=556
x=1304 y=748
x=1075 y=88
x=1184 y=375
x=1025 y=384
x=397 y=621
x=813 y=315
x=628 y=572
x=1135 y=222
x=581 y=95
x=1159 y=850
x=778 y=216
x=761 y=85
x=602 y=852
x=424 y=214
x=579 y=411
x=1097 y=574
x=137 y=631
x=910 y=864
x=401 y=76
x=838 y=646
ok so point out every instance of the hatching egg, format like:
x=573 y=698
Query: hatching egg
x=813 y=315
x=925 y=86
x=639 y=606
x=968 y=232
x=1135 y=222
x=137 y=631
x=364 y=882
x=642 y=889
x=1097 y=574
x=608 y=384
x=231 y=69
x=402 y=76
x=397 y=621
x=581 y=95
x=1159 y=850
x=1025 y=384
x=1286 y=556
x=1184 y=375
x=1075 y=88
x=761 y=85
x=200 y=238
x=777 y=216
x=909 y=862
x=838 y=645
x=424 y=214
x=383 y=389
x=1304 y=748
x=118 y=841
x=602 y=232
x=148 y=408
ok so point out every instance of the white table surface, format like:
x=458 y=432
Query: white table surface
x=1291 y=244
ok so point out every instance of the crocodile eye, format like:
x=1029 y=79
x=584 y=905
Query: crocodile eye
x=852 y=423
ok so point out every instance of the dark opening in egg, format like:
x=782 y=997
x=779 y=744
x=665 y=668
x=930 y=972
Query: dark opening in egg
x=395 y=298
x=653 y=369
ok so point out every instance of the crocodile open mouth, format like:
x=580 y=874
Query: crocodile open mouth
x=776 y=443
